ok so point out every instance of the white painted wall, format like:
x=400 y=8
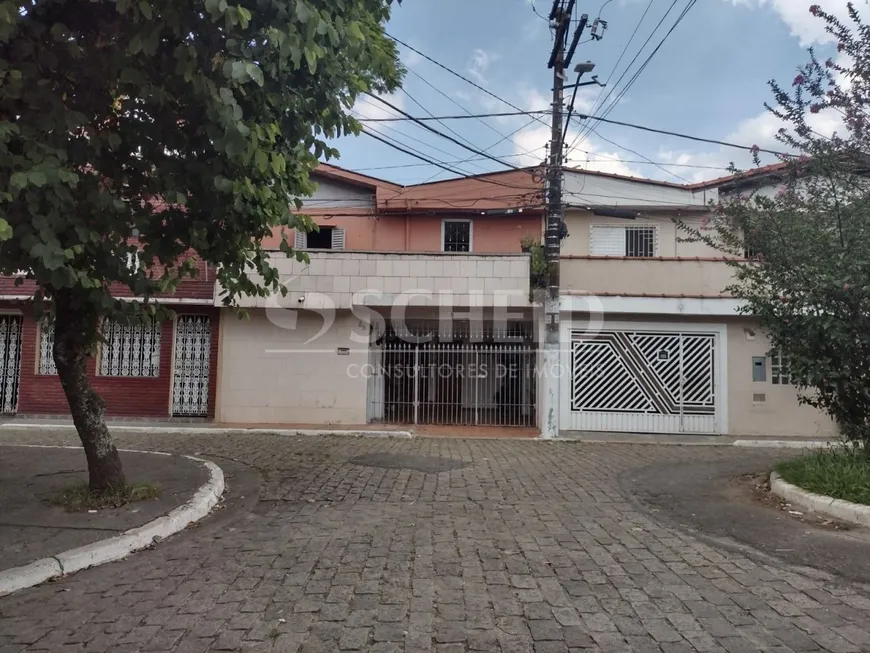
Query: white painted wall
x=271 y=374
x=334 y=194
x=581 y=188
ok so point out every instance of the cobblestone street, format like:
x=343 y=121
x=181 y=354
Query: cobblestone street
x=434 y=545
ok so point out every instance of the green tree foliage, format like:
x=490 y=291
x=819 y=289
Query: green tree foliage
x=807 y=235
x=159 y=129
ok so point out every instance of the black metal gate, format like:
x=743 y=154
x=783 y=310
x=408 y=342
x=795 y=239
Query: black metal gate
x=453 y=383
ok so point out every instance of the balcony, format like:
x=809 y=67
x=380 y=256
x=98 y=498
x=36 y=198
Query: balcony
x=651 y=277
x=344 y=279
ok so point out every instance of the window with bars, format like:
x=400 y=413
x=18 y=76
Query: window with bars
x=779 y=369
x=46 y=348
x=130 y=349
x=632 y=241
x=456 y=236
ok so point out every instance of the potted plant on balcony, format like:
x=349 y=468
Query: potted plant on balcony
x=527 y=242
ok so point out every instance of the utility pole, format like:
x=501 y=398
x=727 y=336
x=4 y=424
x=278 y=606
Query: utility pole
x=560 y=18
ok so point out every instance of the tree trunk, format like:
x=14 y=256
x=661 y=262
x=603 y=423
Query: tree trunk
x=76 y=333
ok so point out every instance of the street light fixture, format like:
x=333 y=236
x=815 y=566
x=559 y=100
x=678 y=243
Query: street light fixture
x=583 y=68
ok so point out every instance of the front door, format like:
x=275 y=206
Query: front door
x=192 y=366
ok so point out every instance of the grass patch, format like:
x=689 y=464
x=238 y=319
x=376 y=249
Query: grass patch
x=79 y=498
x=839 y=472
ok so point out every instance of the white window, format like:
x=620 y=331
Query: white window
x=46 y=347
x=328 y=237
x=456 y=236
x=779 y=372
x=130 y=349
x=635 y=241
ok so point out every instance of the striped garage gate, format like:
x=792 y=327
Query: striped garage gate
x=643 y=381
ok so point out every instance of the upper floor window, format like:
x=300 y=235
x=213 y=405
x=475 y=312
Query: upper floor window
x=130 y=349
x=634 y=241
x=456 y=236
x=328 y=237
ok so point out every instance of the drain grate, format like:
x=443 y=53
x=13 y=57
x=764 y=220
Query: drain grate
x=425 y=464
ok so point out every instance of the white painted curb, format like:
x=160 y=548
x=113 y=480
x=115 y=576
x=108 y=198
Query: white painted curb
x=784 y=444
x=853 y=513
x=205 y=430
x=120 y=546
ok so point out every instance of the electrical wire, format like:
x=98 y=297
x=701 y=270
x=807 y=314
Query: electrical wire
x=445 y=136
x=443 y=166
x=460 y=76
x=581 y=116
x=421 y=142
x=594 y=156
x=601 y=91
x=649 y=58
x=477 y=116
x=628 y=149
x=436 y=119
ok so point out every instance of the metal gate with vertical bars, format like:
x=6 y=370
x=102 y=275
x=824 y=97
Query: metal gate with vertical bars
x=190 y=382
x=10 y=362
x=469 y=384
x=638 y=381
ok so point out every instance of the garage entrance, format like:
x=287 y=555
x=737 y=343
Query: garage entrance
x=643 y=381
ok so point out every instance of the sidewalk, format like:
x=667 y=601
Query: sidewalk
x=31 y=528
x=203 y=426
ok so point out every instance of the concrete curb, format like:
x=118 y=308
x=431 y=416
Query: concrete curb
x=784 y=444
x=120 y=546
x=843 y=510
x=205 y=430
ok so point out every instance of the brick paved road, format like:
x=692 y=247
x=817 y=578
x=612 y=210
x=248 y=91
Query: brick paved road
x=468 y=546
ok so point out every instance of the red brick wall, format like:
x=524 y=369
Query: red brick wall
x=124 y=396
x=200 y=287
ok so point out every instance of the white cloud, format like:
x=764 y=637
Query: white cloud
x=367 y=107
x=587 y=154
x=796 y=14
x=760 y=130
x=480 y=62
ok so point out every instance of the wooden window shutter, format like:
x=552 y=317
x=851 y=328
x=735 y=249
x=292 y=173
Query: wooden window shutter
x=300 y=241
x=338 y=238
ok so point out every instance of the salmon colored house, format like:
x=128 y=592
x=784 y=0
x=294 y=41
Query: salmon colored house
x=482 y=214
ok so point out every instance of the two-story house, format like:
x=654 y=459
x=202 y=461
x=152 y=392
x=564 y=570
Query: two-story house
x=413 y=308
x=651 y=340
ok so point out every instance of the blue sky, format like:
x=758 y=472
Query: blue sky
x=708 y=79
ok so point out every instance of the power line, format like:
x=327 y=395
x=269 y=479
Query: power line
x=443 y=166
x=421 y=142
x=445 y=136
x=436 y=119
x=460 y=76
x=582 y=116
x=612 y=90
x=468 y=114
x=643 y=66
x=593 y=155
x=497 y=114
x=618 y=61
x=712 y=141
x=628 y=149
